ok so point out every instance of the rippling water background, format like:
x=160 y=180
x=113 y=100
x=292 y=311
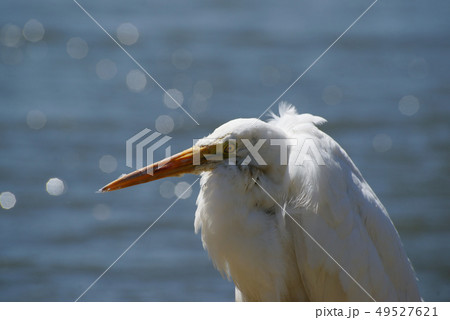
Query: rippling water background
x=70 y=98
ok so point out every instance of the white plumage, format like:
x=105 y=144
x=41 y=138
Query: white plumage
x=253 y=239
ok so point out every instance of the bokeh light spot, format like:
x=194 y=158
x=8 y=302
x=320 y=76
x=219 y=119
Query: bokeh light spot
x=55 y=187
x=77 y=48
x=167 y=189
x=332 y=95
x=183 y=190
x=36 y=119
x=10 y=35
x=127 y=34
x=7 y=200
x=106 y=69
x=164 y=124
x=182 y=59
x=101 y=212
x=409 y=105
x=382 y=142
x=136 y=80
x=107 y=163
x=170 y=96
x=33 y=30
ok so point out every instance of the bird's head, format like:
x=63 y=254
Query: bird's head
x=242 y=143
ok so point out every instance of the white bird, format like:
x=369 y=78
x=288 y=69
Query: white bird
x=286 y=222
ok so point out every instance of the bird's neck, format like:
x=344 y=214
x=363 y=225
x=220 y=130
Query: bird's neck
x=241 y=228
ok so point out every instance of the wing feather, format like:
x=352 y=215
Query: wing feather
x=336 y=207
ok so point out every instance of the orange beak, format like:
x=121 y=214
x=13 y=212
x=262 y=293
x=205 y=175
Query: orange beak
x=187 y=161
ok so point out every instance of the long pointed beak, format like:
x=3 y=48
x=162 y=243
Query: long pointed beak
x=187 y=161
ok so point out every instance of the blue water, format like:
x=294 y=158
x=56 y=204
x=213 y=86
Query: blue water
x=53 y=247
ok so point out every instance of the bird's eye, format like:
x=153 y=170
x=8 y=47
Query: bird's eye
x=229 y=147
